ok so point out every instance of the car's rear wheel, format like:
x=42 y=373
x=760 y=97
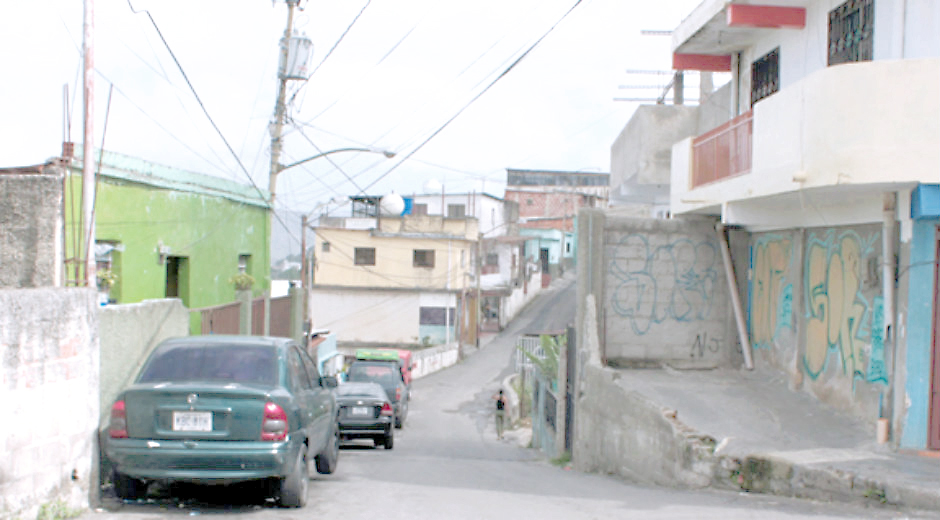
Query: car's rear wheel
x=294 y=487
x=329 y=457
x=128 y=488
x=389 y=440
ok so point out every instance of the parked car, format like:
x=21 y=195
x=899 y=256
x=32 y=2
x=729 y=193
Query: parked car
x=382 y=367
x=221 y=409
x=365 y=412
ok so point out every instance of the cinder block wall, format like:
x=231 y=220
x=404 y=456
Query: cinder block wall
x=661 y=291
x=49 y=398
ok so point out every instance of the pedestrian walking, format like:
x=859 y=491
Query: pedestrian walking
x=500 y=413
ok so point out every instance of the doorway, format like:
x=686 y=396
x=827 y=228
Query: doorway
x=177 y=270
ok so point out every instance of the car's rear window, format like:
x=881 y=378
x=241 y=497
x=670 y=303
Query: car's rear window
x=219 y=363
x=359 y=390
x=371 y=371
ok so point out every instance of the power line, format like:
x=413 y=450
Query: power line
x=476 y=97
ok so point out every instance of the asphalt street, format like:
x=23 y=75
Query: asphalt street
x=448 y=464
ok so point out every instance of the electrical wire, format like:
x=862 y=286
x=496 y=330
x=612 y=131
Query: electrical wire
x=476 y=97
x=333 y=48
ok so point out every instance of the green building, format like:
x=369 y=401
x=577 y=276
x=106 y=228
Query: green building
x=167 y=233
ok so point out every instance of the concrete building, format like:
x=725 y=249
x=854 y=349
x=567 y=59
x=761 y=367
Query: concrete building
x=405 y=280
x=551 y=199
x=823 y=148
x=505 y=270
x=167 y=233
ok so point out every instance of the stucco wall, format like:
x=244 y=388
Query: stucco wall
x=816 y=311
x=128 y=334
x=49 y=353
x=30 y=229
x=665 y=294
x=150 y=217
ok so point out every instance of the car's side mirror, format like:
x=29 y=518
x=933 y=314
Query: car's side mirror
x=328 y=382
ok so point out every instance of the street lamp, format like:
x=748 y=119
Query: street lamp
x=303 y=219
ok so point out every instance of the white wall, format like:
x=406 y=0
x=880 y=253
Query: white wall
x=368 y=315
x=49 y=403
x=817 y=133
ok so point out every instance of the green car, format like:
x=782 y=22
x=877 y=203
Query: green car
x=223 y=409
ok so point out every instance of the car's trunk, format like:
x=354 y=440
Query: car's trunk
x=181 y=411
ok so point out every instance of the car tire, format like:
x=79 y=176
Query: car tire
x=128 y=488
x=328 y=458
x=294 y=487
x=388 y=442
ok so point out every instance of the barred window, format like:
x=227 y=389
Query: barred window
x=851 y=32
x=765 y=76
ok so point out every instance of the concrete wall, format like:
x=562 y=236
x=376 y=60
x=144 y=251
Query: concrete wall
x=816 y=311
x=31 y=228
x=430 y=360
x=617 y=432
x=664 y=296
x=49 y=400
x=128 y=335
x=642 y=150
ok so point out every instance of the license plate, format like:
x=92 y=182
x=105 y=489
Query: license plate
x=359 y=410
x=192 y=421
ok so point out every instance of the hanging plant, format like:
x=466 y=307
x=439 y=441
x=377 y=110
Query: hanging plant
x=242 y=281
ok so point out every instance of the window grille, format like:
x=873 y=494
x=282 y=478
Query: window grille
x=765 y=76
x=851 y=30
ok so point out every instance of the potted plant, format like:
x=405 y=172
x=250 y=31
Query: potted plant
x=242 y=281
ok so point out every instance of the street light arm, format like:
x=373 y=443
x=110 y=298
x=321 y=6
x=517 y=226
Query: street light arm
x=386 y=153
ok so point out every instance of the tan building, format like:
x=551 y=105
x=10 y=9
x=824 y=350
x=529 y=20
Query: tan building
x=405 y=280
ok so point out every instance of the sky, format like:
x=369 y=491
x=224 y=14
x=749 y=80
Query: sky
x=425 y=79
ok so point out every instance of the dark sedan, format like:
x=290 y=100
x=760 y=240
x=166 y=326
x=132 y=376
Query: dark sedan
x=365 y=413
x=223 y=409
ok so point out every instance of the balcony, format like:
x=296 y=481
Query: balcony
x=864 y=128
x=723 y=152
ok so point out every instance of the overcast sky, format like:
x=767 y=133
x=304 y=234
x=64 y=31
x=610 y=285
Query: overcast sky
x=403 y=69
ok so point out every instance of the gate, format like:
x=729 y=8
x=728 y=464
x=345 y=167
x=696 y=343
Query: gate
x=221 y=319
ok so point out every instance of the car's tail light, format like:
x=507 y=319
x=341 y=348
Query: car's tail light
x=386 y=409
x=118 y=427
x=398 y=394
x=274 y=426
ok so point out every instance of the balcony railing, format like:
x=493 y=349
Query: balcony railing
x=723 y=152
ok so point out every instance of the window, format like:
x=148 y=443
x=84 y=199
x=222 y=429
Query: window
x=568 y=247
x=365 y=256
x=326 y=247
x=456 y=210
x=436 y=316
x=419 y=209
x=244 y=263
x=851 y=30
x=492 y=259
x=424 y=258
x=299 y=378
x=765 y=76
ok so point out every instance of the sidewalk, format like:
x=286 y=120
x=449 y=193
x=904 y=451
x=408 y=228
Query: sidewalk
x=773 y=440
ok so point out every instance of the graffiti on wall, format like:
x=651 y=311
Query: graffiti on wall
x=771 y=289
x=672 y=281
x=840 y=320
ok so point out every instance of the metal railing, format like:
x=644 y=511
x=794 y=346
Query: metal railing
x=723 y=152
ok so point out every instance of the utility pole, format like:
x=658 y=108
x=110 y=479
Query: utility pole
x=280 y=108
x=88 y=154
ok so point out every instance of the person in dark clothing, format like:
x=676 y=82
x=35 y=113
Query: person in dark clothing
x=500 y=414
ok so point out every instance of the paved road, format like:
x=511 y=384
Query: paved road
x=448 y=464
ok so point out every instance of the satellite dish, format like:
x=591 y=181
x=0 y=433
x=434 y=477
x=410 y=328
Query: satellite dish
x=392 y=205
